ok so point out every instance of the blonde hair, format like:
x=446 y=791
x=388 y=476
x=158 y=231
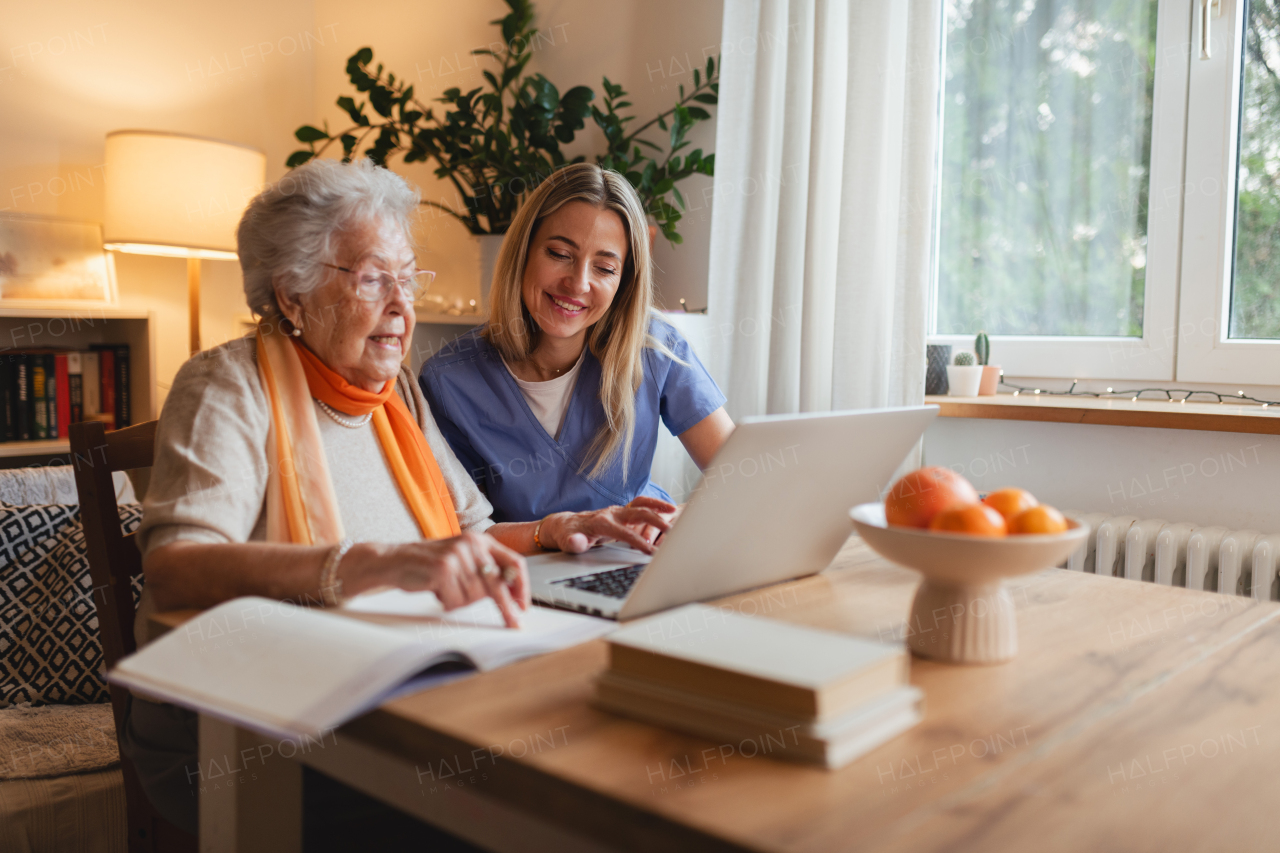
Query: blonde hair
x=618 y=339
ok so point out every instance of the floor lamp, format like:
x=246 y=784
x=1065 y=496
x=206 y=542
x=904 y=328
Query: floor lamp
x=178 y=196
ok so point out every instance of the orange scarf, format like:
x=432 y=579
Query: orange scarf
x=301 y=505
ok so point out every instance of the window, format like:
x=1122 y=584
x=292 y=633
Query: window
x=1230 y=296
x=1109 y=204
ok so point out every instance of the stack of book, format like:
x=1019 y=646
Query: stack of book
x=44 y=391
x=796 y=692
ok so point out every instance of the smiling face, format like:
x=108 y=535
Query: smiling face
x=574 y=268
x=363 y=342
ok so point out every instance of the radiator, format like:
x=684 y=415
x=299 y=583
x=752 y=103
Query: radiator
x=1233 y=562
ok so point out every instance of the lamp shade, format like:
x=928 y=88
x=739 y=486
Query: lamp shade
x=172 y=194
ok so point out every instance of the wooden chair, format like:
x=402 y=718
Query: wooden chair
x=113 y=559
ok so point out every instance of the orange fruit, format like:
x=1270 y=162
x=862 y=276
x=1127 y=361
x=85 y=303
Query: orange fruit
x=974 y=519
x=1010 y=501
x=1038 y=519
x=917 y=497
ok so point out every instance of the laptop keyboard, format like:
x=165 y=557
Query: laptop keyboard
x=615 y=583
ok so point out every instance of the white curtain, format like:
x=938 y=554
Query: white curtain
x=826 y=148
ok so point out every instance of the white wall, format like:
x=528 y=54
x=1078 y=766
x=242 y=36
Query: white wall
x=252 y=72
x=635 y=44
x=1210 y=478
x=72 y=71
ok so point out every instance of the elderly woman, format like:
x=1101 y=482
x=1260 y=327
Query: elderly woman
x=574 y=371
x=302 y=462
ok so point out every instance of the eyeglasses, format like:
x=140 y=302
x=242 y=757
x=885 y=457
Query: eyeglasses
x=375 y=285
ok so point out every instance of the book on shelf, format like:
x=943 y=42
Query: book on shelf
x=827 y=697
x=91 y=376
x=51 y=393
x=291 y=671
x=115 y=376
x=7 y=398
x=107 y=382
x=22 y=408
x=44 y=391
x=75 y=387
x=37 y=395
x=63 y=394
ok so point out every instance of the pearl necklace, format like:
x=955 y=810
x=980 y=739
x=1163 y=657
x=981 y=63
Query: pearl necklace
x=341 y=420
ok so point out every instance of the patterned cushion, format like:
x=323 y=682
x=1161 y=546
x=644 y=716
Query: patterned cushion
x=49 y=647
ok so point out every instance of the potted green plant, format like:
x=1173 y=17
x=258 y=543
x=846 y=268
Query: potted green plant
x=495 y=143
x=990 y=372
x=963 y=376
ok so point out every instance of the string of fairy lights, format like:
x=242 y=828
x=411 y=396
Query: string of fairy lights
x=1172 y=395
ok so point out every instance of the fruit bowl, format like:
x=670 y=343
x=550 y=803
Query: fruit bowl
x=962 y=613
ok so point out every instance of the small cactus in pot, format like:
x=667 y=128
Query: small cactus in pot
x=963 y=376
x=990 y=372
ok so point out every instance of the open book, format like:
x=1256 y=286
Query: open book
x=291 y=671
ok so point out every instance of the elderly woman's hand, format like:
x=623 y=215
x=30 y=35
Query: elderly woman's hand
x=459 y=571
x=575 y=532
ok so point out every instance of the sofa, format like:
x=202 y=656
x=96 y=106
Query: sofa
x=60 y=782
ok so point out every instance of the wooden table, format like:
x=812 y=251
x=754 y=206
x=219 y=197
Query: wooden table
x=1135 y=717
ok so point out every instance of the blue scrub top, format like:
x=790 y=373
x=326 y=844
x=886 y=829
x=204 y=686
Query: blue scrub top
x=526 y=473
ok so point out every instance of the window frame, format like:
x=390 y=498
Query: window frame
x=1153 y=356
x=1206 y=352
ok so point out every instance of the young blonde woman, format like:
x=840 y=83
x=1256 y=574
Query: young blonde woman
x=554 y=404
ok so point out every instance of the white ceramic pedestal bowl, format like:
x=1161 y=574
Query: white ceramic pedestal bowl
x=962 y=613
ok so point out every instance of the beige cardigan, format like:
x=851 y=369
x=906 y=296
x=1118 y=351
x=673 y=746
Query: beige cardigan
x=209 y=480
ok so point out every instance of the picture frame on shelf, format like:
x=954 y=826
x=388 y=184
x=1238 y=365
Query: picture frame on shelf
x=51 y=262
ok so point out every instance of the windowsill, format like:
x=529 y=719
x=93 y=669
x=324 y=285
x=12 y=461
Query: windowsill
x=1212 y=417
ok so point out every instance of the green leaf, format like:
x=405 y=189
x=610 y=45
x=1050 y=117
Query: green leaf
x=363 y=56
x=307 y=133
x=698 y=113
x=383 y=100
x=648 y=143
x=297 y=158
x=577 y=100
x=711 y=68
x=679 y=198
x=662 y=123
x=704 y=98
x=348 y=145
x=356 y=112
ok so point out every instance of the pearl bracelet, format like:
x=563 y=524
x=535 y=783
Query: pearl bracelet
x=330 y=585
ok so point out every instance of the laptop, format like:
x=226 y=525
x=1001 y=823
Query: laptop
x=772 y=506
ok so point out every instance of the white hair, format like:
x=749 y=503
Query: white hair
x=290 y=229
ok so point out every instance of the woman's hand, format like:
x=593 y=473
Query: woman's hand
x=575 y=532
x=459 y=571
x=650 y=533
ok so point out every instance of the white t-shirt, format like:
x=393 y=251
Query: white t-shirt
x=550 y=400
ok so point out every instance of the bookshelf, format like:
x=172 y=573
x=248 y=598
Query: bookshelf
x=76 y=328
